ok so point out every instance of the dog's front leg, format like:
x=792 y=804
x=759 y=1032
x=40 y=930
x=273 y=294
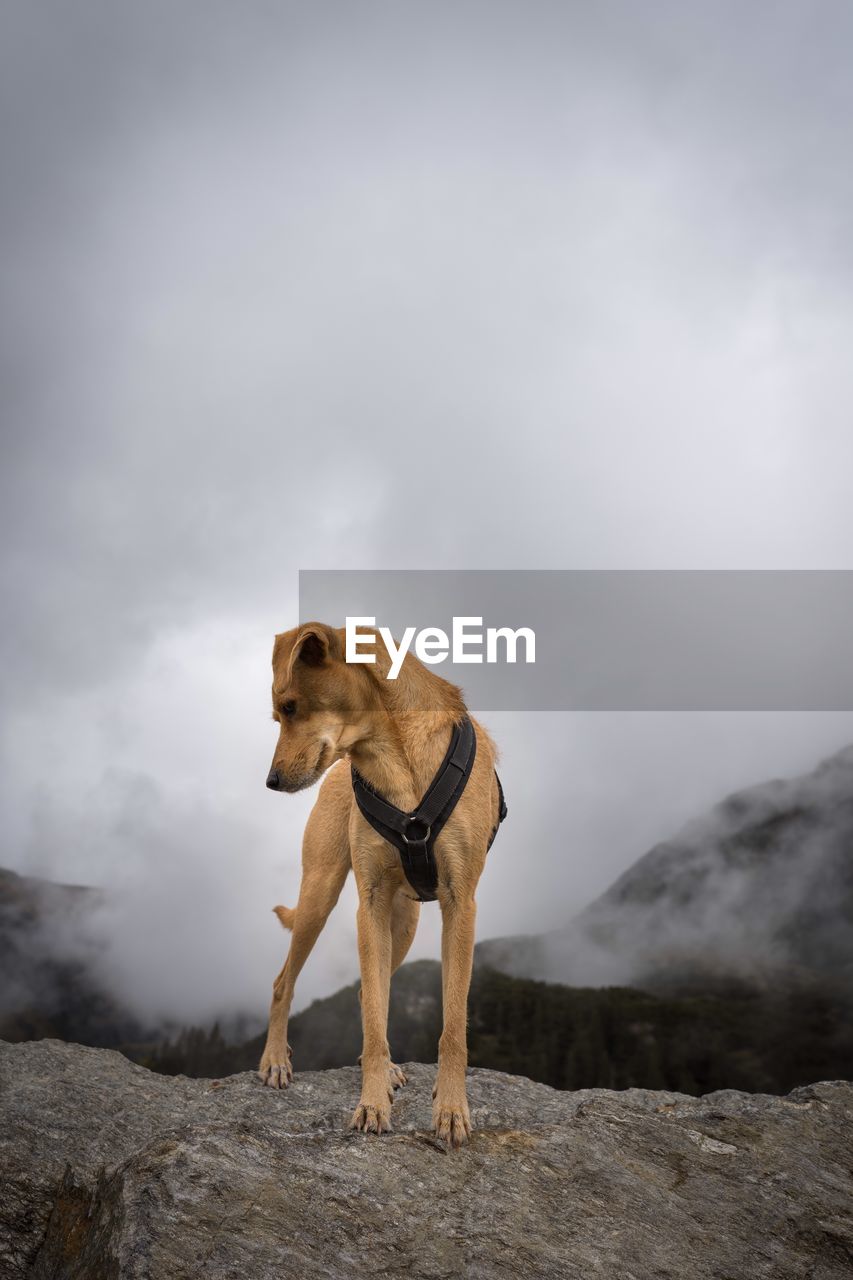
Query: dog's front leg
x=373 y=1113
x=450 y=1116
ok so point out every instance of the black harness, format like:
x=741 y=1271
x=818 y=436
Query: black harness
x=414 y=834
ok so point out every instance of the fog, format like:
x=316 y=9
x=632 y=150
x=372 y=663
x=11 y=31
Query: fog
x=756 y=891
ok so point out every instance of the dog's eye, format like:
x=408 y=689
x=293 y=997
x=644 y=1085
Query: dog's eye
x=288 y=709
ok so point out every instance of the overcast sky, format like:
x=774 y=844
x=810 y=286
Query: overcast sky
x=485 y=285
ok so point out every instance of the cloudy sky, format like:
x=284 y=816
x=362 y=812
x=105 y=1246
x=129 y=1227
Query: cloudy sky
x=393 y=285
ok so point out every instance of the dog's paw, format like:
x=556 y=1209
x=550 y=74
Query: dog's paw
x=276 y=1069
x=373 y=1117
x=451 y=1121
x=397 y=1076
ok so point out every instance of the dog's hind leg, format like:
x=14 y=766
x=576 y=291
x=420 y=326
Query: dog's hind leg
x=325 y=864
x=405 y=914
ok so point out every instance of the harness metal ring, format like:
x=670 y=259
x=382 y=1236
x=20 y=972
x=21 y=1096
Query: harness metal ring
x=421 y=839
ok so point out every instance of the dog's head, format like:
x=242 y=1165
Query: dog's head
x=320 y=703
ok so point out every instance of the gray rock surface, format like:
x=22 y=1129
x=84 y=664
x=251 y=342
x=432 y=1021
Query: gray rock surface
x=110 y=1171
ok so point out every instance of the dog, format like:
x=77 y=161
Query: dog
x=334 y=716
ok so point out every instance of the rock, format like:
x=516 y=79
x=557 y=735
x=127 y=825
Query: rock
x=111 y=1171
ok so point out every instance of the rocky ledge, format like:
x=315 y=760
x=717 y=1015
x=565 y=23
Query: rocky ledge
x=110 y=1171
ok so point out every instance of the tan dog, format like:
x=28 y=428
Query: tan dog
x=396 y=733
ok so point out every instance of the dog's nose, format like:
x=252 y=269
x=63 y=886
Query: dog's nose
x=273 y=781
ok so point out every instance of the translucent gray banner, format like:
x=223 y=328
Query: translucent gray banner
x=619 y=640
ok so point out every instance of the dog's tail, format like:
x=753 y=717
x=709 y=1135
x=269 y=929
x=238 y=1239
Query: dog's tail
x=286 y=916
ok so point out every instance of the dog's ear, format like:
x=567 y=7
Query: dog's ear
x=316 y=644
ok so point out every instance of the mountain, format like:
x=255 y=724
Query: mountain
x=49 y=987
x=760 y=888
x=567 y=1037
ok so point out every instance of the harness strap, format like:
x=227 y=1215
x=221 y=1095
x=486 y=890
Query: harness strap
x=414 y=834
x=502 y=811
